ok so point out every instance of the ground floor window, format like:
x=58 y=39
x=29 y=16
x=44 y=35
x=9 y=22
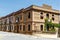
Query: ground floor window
x=20 y=27
x=53 y=27
x=23 y=27
x=7 y=27
x=47 y=28
x=41 y=27
x=14 y=27
x=29 y=27
x=17 y=28
x=11 y=27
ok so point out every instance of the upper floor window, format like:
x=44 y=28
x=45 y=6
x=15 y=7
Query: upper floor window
x=53 y=18
x=52 y=14
x=41 y=17
x=5 y=21
x=41 y=13
x=10 y=21
x=29 y=15
x=47 y=15
x=20 y=17
x=17 y=19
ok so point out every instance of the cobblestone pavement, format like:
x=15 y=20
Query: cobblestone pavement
x=15 y=36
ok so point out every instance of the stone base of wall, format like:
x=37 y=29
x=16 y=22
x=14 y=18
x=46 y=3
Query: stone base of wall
x=45 y=35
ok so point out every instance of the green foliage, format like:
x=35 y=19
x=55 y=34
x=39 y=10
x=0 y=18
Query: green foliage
x=48 y=23
x=57 y=25
x=51 y=24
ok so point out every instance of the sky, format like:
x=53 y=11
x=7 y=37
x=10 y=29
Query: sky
x=9 y=6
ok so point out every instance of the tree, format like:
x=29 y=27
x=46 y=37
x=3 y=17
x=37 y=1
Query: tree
x=50 y=24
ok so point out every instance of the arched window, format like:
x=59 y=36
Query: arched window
x=41 y=17
x=52 y=14
x=47 y=15
x=20 y=17
x=41 y=13
x=41 y=27
x=23 y=27
x=20 y=27
x=53 y=18
x=29 y=15
x=29 y=27
x=17 y=18
x=9 y=28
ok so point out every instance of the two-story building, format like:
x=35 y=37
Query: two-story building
x=30 y=20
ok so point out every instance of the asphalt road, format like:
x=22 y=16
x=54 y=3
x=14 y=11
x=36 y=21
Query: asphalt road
x=15 y=36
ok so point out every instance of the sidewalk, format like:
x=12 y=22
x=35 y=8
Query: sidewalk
x=15 y=36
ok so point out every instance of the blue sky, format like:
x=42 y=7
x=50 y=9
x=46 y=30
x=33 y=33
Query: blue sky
x=9 y=6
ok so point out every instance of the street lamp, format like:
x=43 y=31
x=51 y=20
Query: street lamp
x=48 y=20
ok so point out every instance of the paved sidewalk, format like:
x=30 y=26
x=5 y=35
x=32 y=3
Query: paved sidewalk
x=15 y=36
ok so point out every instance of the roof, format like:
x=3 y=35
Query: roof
x=43 y=8
x=49 y=9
